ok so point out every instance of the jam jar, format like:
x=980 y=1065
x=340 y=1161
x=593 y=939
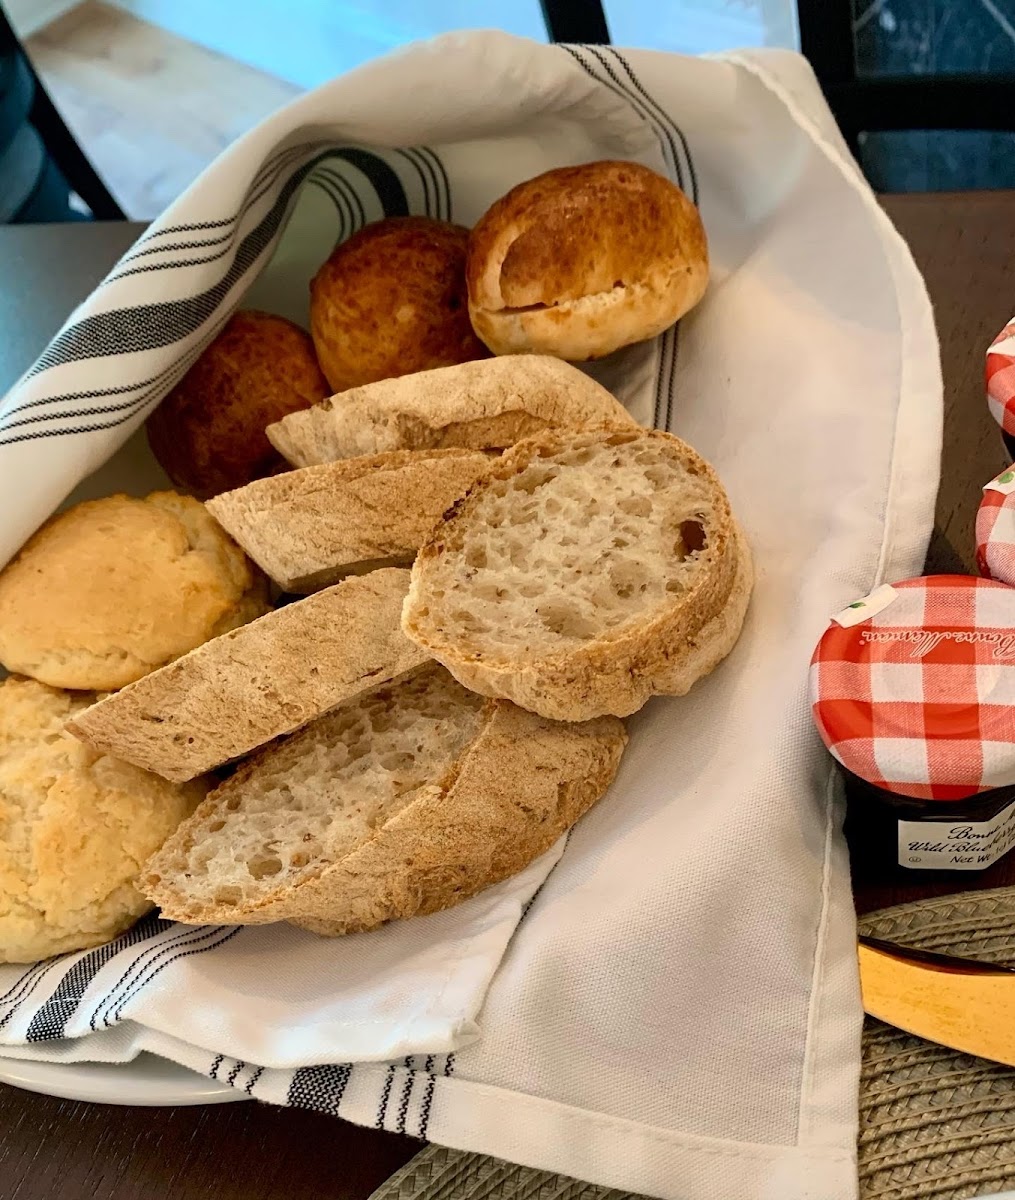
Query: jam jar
x=913 y=692
x=1001 y=383
x=995 y=529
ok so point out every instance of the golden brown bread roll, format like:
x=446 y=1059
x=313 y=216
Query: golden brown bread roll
x=208 y=433
x=75 y=825
x=391 y=301
x=583 y=260
x=113 y=588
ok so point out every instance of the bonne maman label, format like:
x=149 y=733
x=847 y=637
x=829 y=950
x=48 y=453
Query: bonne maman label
x=956 y=845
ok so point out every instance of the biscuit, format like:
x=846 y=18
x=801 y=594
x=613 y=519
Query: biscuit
x=75 y=828
x=113 y=588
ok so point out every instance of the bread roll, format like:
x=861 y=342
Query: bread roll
x=113 y=588
x=391 y=300
x=208 y=433
x=74 y=828
x=583 y=260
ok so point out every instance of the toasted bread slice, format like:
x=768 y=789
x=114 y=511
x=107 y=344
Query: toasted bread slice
x=407 y=800
x=258 y=682
x=583 y=574
x=308 y=528
x=484 y=405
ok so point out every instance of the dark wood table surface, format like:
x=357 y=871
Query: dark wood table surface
x=965 y=246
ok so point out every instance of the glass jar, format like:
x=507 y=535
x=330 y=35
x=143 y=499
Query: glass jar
x=913 y=692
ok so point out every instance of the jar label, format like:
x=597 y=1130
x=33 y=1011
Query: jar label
x=866 y=607
x=956 y=845
x=1004 y=483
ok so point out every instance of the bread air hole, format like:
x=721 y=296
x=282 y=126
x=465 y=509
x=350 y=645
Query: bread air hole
x=692 y=538
x=565 y=622
x=261 y=866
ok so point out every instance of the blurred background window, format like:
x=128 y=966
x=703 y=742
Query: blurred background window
x=153 y=90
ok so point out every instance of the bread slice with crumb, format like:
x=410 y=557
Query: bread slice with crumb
x=258 y=682
x=308 y=528
x=583 y=574
x=484 y=405
x=407 y=800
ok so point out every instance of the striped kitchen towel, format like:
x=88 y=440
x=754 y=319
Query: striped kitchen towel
x=673 y=1009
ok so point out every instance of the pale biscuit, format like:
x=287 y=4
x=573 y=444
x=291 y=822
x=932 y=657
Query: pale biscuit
x=75 y=828
x=113 y=588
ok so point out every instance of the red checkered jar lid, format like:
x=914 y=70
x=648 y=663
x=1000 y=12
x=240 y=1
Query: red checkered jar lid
x=995 y=529
x=1001 y=378
x=913 y=687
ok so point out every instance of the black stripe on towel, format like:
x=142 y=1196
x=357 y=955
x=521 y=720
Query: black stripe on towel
x=23 y=989
x=424 y=1112
x=403 y=1104
x=151 y=326
x=671 y=136
x=319 y=1088
x=181 y=934
x=346 y=221
x=385 y=1097
x=444 y=187
x=427 y=178
x=261 y=184
x=664 y=119
x=345 y=188
x=192 y=947
x=671 y=339
x=51 y=1019
x=619 y=90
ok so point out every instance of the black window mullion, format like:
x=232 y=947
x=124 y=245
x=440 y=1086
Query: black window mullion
x=579 y=21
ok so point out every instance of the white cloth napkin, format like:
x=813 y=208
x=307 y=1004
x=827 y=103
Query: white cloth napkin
x=678 y=1012
x=270 y=995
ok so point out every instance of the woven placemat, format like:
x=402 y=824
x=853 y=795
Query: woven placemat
x=934 y=1124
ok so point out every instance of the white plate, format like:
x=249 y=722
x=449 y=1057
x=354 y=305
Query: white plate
x=147 y=1080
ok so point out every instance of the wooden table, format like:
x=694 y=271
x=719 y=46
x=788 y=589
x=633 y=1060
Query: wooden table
x=965 y=245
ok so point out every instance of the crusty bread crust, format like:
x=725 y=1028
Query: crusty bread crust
x=485 y=405
x=616 y=672
x=580 y=261
x=391 y=300
x=258 y=682
x=208 y=433
x=308 y=528
x=518 y=785
x=522 y=784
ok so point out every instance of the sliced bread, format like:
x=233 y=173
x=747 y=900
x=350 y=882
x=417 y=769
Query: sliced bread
x=308 y=528
x=258 y=682
x=407 y=800
x=583 y=574
x=484 y=405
